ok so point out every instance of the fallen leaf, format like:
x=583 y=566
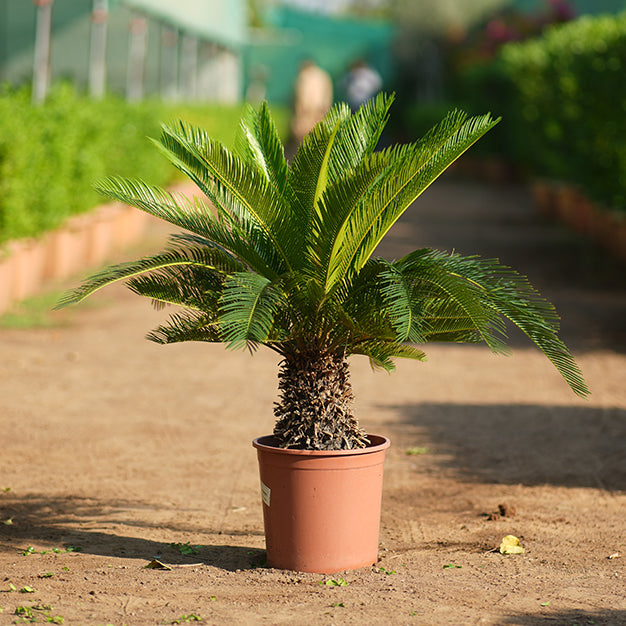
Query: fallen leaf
x=511 y=545
x=8 y=521
x=156 y=564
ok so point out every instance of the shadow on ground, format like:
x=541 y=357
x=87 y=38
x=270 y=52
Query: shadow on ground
x=570 y=618
x=522 y=444
x=72 y=524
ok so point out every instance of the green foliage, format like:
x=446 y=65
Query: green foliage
x=284 y=257
x=50 y=155
x=572 y=101
x=186 y=548
x=563 y=99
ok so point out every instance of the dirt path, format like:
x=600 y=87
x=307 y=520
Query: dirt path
x=121 y=448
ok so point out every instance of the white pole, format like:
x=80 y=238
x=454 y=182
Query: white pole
x=189 y=67
x=41 y=69
x=97 y=61
x=169 y=64
x=136 y=59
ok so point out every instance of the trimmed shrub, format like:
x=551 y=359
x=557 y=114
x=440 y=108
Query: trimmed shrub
x=569 y=104
x=51 y=155
x=562 y=98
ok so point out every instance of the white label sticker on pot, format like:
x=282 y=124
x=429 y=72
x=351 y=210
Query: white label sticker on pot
x=266 y=492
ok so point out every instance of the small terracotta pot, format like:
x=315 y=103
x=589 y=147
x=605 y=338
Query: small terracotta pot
x=321 y=509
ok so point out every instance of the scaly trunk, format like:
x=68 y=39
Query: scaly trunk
x=315 y=408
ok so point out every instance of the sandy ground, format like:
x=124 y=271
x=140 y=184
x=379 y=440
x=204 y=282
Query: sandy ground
x=115 y=451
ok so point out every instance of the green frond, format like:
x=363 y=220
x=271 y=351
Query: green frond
x=335 y=207
x=397 y=297
x=258 y=143
x=249 y=246
x=189 y=286
x=206 y=258
x=383 y=353
x=188 y=326
x=501 y=293
x=247 y=309
x=358 y=135
x=242 y=194
x=439 y=279
x=414 y=169
x=307 y=165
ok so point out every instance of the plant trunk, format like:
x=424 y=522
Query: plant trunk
x=315 y=408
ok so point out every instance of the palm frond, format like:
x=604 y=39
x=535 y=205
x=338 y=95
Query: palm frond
x=243 y=195
x=358 y=135
x=206 y=258
x=309 y=168
x=189 y=286
x=383 y=353
x=335 y=207
x=500 y=292
x=249 y=246
x=415 y=168
x=258 y=142
x=247 y=309
x=439 y=280
x=188 y=326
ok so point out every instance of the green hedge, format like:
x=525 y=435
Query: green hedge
x=51 y=155
x=562 y=98
x=570 y=94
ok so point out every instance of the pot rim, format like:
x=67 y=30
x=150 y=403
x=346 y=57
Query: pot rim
x=377 y=444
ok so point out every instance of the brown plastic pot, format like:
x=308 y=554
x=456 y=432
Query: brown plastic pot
x=321 y=509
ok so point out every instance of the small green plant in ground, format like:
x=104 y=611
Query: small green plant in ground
x=452 y=566
x=31 y=550
x=332 y=582
x=36 y=613
x=416 y=450
x=389 y=572
x=186 y=548
x=185 y=619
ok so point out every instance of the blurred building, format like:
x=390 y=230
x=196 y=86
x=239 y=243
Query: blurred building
x=185 y=49
x=188 y=49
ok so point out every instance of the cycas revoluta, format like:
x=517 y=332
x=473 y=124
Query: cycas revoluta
x=282 y=257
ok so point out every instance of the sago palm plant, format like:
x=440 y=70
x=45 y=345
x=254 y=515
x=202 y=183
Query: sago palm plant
x=282 y=256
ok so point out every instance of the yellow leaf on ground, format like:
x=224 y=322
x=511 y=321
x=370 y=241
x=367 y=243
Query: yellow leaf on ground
x=511 y=545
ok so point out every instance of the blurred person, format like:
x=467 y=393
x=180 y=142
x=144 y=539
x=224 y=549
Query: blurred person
x=360 y=84
x=313 y=98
